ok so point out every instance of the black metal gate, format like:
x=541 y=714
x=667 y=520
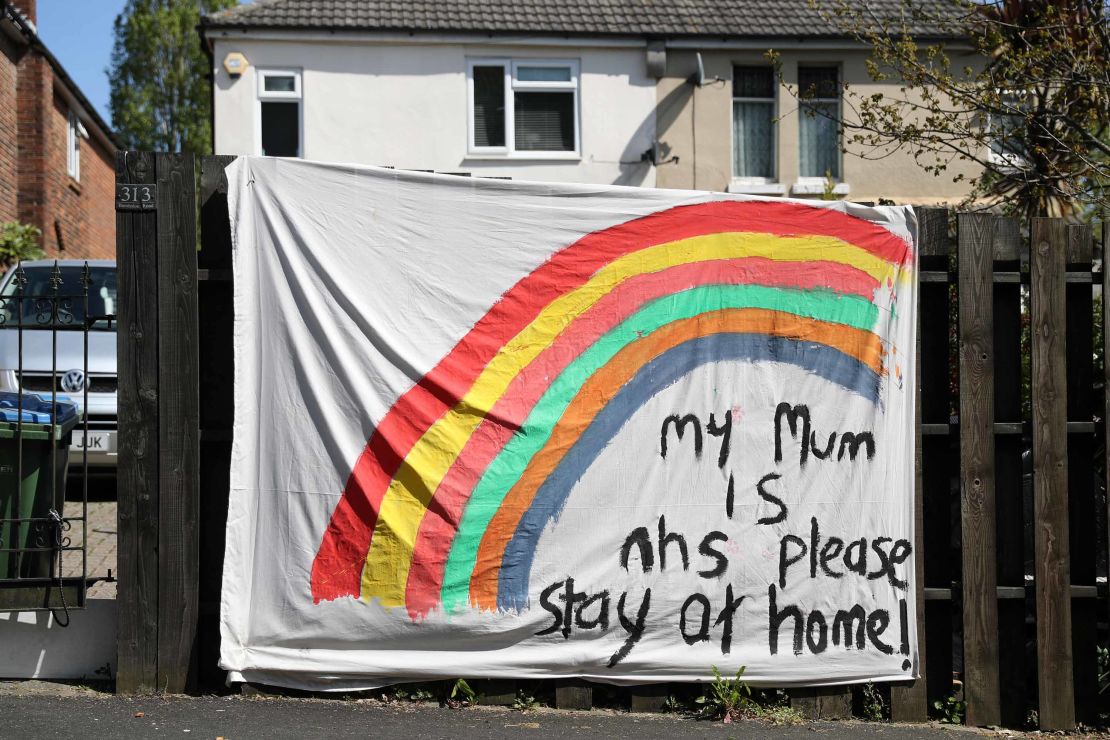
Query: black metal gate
x=45 y=309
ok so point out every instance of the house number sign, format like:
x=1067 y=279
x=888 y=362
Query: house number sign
x=136 y=196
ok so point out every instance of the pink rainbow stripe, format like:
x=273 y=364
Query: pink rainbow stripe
x=441 y=521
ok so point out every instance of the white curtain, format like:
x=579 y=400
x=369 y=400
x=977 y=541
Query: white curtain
x=820 y=145
x=753 y=144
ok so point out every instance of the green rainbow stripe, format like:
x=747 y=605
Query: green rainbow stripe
x=507 y=467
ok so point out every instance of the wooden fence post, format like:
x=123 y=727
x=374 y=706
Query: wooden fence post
x=137 y=472
x=1050 y=476
x=980 y=599
x=157 y=468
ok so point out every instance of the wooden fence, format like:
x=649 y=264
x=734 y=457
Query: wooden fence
x=1011 y=483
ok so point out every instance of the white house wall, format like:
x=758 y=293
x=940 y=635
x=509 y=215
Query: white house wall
x=405 y=105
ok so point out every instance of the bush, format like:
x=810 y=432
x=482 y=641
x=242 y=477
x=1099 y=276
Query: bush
x=18 y=242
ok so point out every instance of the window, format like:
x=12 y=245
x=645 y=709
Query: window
x=525 y=107
x=73 y=146
x=819 y=112
x=1007 y=132
x=753 y=124
x=279 y=113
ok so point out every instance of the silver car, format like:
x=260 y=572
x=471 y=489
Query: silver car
x=66 y=375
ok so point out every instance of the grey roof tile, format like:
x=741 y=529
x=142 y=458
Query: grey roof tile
x=641 y=18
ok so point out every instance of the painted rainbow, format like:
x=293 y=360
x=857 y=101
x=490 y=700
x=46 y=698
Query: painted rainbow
x=445 y=506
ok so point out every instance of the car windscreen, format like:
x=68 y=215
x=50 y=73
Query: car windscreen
x=38 y=306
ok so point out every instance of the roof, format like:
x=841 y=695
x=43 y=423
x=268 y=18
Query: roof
x=12 y=14
x=639 y=18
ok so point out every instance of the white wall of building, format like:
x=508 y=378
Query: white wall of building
x=403 y=103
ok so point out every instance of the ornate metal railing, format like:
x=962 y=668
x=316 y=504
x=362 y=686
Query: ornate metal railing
x=38 y=556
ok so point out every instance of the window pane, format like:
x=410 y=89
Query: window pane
x=753 y=143
x=752 y=82
x=818 y=82
x=820 y=145
x=544 y=121
x=281 y=129
x=280 y=83
x=489 y=106
x=543 y=74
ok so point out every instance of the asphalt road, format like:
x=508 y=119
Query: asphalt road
x=93 y=715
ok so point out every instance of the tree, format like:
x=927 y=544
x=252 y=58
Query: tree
x=160 y=76
x=1029 y=100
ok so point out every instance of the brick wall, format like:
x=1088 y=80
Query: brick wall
x=80 y=218
x=35 y=84
x=76 y=215
x=9 y=149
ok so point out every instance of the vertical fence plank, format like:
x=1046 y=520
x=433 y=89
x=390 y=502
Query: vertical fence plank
x=178 y=416
x=1009 y=250
x=137 y=472
x=573 y=693
x=651 y=697
x=909 y=701
x=216 y=357
x=980 y=600
x=1106 y=375
x=939 y=458
x=1082 y=515
x=1050 y=495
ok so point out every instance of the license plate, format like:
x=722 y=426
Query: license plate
x=94 y=441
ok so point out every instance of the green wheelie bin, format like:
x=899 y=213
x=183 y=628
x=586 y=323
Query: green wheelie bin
x=43 y=439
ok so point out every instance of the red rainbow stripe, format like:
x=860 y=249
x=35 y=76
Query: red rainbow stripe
x=337 y=569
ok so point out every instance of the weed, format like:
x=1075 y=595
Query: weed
x=524 y=702
x=950 y=711
x=727 y=697
x=874 y=708
x=460 y=694
x=780 y=714
x=415 y=693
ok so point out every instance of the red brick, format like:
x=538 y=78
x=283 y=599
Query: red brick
x=76 y=216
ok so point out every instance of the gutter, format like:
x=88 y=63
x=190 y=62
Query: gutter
x=27 y=30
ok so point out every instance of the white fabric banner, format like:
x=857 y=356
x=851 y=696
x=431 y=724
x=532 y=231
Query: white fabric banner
x=487 y=428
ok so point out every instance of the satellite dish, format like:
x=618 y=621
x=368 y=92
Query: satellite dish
x=698 y=79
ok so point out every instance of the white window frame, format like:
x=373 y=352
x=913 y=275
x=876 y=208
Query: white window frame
x=73 y=145
x=750 y=184
x=811 y=185
x=263 y=95
x=1004 y=159
x=513 y=85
